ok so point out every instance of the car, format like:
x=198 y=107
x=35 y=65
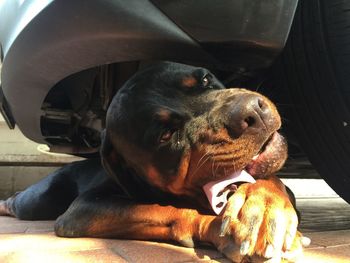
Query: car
x=62 y=62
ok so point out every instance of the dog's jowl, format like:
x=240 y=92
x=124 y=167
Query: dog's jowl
x=182 y=159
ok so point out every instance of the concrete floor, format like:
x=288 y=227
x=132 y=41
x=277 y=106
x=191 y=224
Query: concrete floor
x=27 y=241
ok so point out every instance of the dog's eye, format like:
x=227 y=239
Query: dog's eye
x=166 y=136
x=206 y=81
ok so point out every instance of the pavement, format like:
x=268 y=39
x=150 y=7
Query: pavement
x=326 y=221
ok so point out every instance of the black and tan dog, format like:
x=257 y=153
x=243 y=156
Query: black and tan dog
x=171 y=130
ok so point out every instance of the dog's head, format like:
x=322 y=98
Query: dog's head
x=177 y=128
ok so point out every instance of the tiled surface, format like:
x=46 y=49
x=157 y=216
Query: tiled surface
x=27 y=241
x=35 y=242
x=330 y=239
x=335 y=254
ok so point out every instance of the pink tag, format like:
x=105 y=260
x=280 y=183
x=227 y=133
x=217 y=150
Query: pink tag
x=212 y=189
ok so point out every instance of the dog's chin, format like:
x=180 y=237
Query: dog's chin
x=270 y=157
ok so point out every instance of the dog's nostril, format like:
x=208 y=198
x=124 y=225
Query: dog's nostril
x=262 y=104
x=248 y=114
x=250 y=121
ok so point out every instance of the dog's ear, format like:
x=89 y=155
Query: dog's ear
x=111 y=162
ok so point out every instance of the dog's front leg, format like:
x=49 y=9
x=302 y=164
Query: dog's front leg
x=106 y=215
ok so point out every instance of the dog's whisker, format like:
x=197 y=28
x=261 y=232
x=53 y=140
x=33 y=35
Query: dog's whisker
x=199 y=165
x=234 y=164
x=212 y=169
x=217 y=167
x=259 y=86
x=205 y=157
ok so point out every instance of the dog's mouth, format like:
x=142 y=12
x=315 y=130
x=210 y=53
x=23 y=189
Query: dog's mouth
x=270 y=140
x=268 y=160
x=263 y=161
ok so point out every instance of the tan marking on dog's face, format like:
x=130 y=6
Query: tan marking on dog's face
x=163 y=115
x=176 y=186
x=219 y=156
x=189 y=82
x=143 y=162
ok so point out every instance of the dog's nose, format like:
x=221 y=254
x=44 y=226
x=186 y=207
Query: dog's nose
x=250 y=112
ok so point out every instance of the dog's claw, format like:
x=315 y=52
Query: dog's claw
x=244 y=247
x=224 y=229
x=273 y=260
x=269 y=251
x=305 y=241
x=187 y=242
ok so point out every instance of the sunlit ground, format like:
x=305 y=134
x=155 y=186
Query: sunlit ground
x=49 y=248
x=45 y=247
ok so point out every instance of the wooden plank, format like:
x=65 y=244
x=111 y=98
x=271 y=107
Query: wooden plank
x=324 y=214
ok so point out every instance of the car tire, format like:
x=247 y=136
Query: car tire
x=314 y=70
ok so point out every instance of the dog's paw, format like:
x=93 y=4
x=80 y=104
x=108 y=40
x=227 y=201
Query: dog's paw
x=261 y=221
x=67 y=228
x=3 y=208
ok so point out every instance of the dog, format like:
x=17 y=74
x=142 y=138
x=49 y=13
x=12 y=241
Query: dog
x=174 y=134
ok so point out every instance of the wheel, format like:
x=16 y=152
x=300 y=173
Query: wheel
x=315 y=72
